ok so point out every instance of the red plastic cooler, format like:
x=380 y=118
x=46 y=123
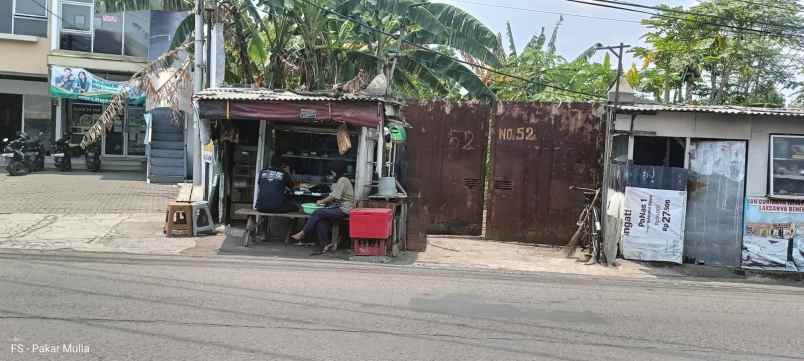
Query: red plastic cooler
x=370 y=223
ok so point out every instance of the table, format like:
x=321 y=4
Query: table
x=399 y=203
x=252 y=229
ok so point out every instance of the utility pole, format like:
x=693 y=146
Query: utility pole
x=198 y=80
x=609 y=245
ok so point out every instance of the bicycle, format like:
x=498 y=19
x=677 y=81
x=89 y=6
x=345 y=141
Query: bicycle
x=588 y=235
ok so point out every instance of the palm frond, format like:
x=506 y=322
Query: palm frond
x=148 y=80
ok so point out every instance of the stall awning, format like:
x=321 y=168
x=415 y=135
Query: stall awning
x=284 y=106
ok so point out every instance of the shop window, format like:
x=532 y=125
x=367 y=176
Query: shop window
x=24 y=17
x=85 y=27
x=76 y=26
x=81 y=116
x=659 y=151
x=787 y=166
x=108 y=33
x=135 y=126
x=137 y=33
x=76 y=17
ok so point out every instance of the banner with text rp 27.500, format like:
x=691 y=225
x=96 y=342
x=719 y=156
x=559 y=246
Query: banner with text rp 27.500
x=653 y=224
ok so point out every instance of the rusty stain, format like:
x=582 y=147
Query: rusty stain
x=446 y=150
x=530 y=200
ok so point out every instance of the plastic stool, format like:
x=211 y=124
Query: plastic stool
x=202 y=218
x=179 y=218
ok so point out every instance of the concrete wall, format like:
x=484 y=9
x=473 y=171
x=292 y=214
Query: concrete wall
x=24 y=55
x=755 y=129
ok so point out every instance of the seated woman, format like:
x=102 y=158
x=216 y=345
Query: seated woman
x=338 y=204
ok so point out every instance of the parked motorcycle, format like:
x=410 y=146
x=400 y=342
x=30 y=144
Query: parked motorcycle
x=24 y=155
x=61 y=156
x=92 y=157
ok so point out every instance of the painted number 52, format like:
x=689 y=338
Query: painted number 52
x=525 y=133
x=462 y=139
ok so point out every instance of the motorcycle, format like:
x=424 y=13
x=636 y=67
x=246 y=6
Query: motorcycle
x=61 y=157
x=92 y=157
x=25 y=155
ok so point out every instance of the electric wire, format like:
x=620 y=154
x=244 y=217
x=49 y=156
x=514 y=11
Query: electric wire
x=499 y=6
x=685 y=12
x=719 y=25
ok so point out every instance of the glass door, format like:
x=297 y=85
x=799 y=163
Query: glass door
x=135 y=132
x=114 y=142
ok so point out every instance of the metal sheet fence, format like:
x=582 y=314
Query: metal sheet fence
x=445 y=174
x=538 y=151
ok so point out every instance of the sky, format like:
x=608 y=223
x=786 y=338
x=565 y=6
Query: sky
x=575 y=35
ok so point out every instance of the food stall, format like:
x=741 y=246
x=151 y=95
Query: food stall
x=250 y=127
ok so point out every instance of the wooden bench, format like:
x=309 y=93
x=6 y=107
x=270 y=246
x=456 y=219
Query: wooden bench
x=251 y=225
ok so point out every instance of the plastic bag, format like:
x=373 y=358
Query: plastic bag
x=344 y=143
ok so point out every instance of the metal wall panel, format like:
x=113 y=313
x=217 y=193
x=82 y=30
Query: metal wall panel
x=538 y=151
x=445 y=173
x=716 y=188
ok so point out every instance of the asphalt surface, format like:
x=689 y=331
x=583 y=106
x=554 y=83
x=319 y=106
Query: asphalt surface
x=118 y=307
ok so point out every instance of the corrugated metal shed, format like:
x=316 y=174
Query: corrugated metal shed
x=720 y=109
x=268 y=95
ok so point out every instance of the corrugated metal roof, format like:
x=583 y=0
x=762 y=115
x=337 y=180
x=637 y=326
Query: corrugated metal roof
x=720 y=109
x=268 y=95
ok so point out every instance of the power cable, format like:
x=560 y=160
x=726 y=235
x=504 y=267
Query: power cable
x=761 y=32
x=684 y=12
x=544 y=11
x=424 y=48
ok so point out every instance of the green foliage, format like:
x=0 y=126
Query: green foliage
x=298 y=44
x=540 y=63
x=695 y=59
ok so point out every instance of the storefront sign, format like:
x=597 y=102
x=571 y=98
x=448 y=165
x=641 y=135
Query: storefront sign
x=653 y=224
x=77 y=83
x=307 y=114
x=773 y=238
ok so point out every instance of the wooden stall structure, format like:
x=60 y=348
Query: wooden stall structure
x=250 y=127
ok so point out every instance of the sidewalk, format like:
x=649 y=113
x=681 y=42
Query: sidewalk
x=447 y=251
x=92 y=212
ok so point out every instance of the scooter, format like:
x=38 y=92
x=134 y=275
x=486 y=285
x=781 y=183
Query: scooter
x=61 y=157
x=24 y=155
x=92 y=157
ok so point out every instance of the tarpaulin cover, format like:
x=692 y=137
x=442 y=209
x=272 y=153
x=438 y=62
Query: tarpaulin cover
x=367 y=114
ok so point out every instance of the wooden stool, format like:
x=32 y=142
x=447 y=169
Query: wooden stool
x=179 y=218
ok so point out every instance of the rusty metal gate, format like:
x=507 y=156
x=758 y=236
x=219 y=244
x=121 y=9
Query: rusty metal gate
x=445 y=174
x=538 y=151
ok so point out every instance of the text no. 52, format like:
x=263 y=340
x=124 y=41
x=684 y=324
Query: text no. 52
x=524 y=133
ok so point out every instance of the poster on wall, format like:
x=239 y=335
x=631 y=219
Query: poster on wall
x=773 y=238
x=653 y=224
x=78 y=83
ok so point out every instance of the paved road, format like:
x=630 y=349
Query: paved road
x=240 y=308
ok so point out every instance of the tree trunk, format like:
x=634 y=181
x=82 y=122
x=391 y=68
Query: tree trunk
x=688 y=92
x=713 y=85
x=724 y=83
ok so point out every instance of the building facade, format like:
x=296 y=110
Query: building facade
x=49 y=35
x=24 y=43
x=740 y=176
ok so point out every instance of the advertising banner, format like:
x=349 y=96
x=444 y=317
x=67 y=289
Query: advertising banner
x=78 y=83
x=653 y=224
x=773 y=238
